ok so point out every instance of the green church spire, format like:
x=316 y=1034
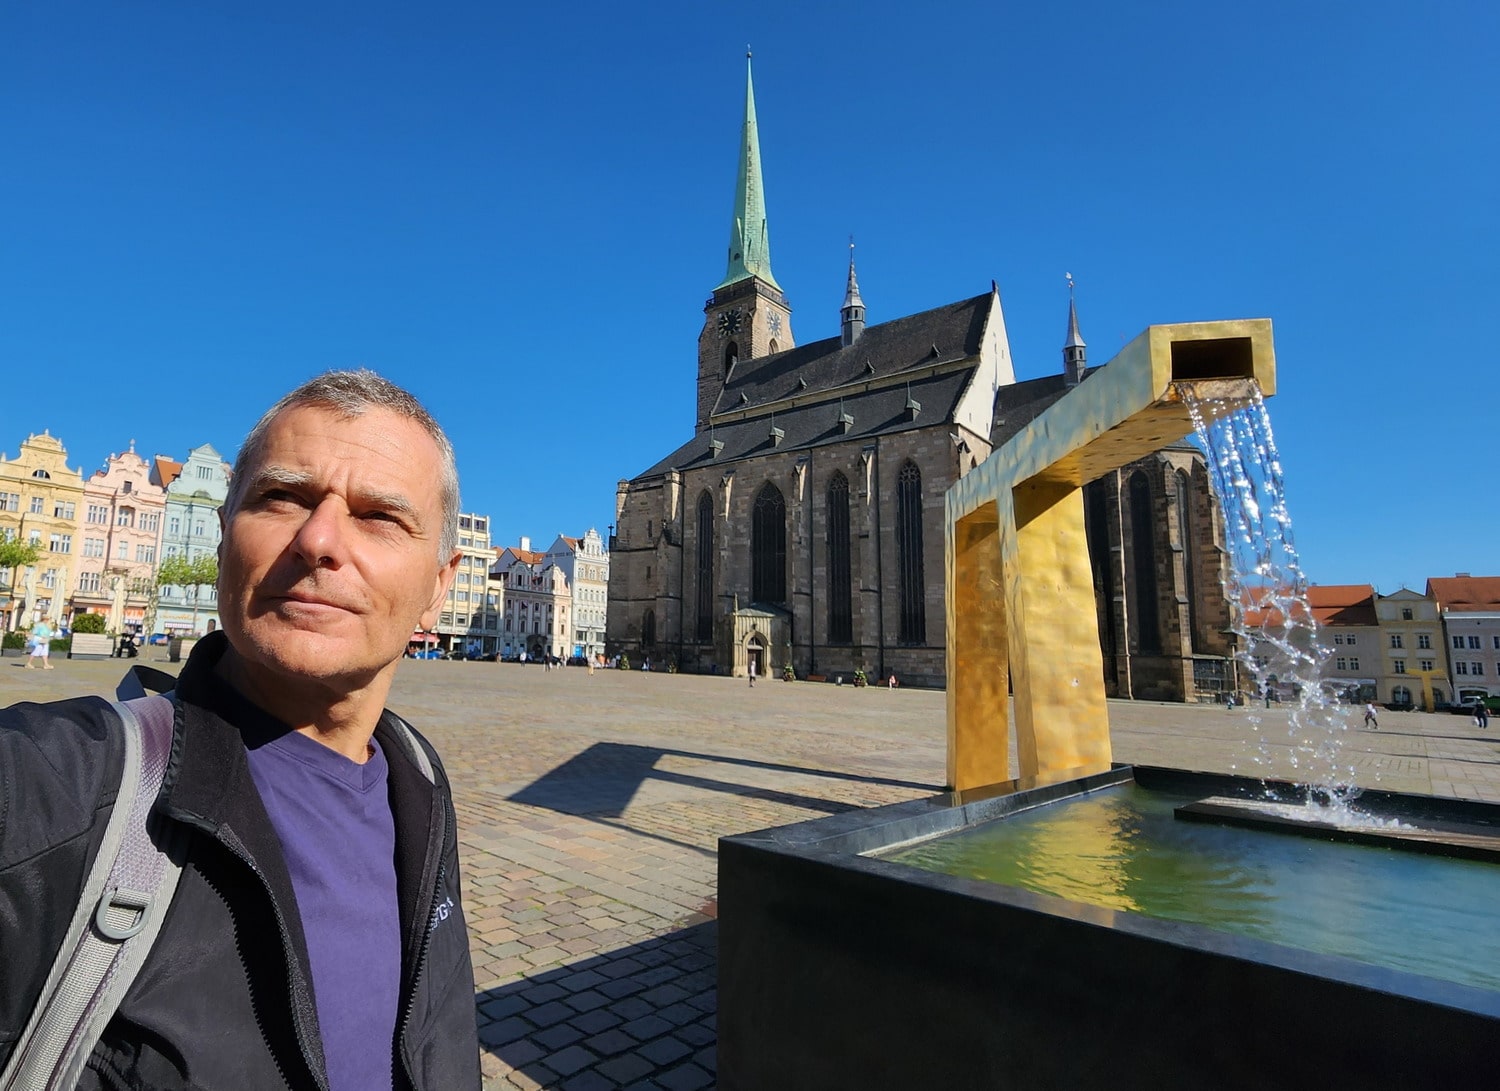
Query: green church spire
x=749 y=239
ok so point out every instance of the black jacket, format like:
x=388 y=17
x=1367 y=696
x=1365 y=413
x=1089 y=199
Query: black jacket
x=224 y=999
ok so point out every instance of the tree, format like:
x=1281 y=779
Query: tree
x=190 y=575
x=14 y=555
x=88 y=623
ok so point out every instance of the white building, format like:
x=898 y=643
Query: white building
x=1471 y=622
x=585 y=563
x=536 y=603
x=470 y=617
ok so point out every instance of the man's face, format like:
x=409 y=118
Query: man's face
x=331 y=559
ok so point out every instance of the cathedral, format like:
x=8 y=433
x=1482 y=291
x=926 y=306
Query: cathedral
x=801 y=526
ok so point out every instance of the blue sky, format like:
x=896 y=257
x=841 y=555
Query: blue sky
x=519 y=210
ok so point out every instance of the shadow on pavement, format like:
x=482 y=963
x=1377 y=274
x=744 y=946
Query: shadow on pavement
x=641 y=1013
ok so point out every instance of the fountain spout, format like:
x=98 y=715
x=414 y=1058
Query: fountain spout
x=1020 y=595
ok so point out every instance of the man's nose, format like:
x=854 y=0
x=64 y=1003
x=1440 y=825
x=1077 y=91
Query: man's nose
x=320 y=539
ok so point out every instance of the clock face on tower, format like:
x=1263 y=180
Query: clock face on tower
x=775 y=323
x=729 y=322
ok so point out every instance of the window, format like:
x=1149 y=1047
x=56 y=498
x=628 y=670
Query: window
x=1399 y=666
x=197 y=528
x=150 y=521
x=125 y=517
x=1424 y=640
x=125 y=487
x=1341 y=663
x=840 y=611
x=60 y=543
x=1460 y=667
x=1401 y=695
x=648 y=628
x=1497 y=643
x=1143 y=552
x=93 y=547
x=97 y=513
x=1351 y=639
x=49 y=578
x=1396 y=640
x=36 y=505
x=1458 y=642
x=1354 y=663
x=1189 y=543
x=63 y=509
x=768 y=547
x=174 y=526
x=705 y=568
x=88 y=583
x=145 y=554
x=41 y=475
x=1406 y=613
x=123 y=552
x=205 y=472
x=1474 y=642
x=10 y=501
x=909 y=566
x=1476 y=668
x=1338 y=638
x=1426 y=664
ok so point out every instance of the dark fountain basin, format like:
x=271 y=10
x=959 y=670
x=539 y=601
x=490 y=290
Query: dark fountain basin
x=842 y=967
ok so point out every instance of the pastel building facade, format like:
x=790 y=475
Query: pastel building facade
x=535 y=600
x=470 y=618
x=584 y=562
x=1349 y=629
x=120 y=540
x=40 y=500
x=1470 y=607
x=195 y=491
x=1413 y=653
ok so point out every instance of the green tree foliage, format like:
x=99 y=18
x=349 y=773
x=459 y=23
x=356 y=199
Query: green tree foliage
x=178 y=571
x=88 y=623
x=15 y=553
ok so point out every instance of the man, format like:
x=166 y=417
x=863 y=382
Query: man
x=315 y=939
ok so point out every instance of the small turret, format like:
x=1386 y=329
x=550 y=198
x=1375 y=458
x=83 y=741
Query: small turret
x=1075 y=352
x=853 y=310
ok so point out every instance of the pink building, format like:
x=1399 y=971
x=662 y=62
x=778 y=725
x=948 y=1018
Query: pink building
x=121 y=525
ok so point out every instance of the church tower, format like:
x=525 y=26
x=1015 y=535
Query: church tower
x=747 y=316
x=1075 y=352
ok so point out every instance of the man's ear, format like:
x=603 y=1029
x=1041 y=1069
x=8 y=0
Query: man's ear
x=441 y=583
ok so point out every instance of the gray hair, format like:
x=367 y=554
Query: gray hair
x=350 y=393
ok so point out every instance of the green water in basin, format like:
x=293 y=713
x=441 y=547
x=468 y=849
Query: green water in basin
x=1121 y=848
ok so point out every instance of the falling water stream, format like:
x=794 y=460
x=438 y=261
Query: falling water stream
x=1279 y=643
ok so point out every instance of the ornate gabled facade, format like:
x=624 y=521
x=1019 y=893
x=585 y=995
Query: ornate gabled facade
x=40 y=501
x=195 y=490
x=802 y=524
x=121 y=526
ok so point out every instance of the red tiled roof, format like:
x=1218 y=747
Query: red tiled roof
x=1460 y=593
x=167 y=470
x=1342 y=603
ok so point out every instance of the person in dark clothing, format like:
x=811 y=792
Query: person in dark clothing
x=316 y=938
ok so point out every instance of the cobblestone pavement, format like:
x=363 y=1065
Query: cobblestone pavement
x=590 y=808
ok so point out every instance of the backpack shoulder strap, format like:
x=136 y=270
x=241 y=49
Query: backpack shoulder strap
x=119 y=914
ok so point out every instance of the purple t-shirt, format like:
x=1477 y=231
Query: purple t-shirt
x=333 y=818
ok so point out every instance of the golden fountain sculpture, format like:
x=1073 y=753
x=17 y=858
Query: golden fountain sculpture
x=1019 y=586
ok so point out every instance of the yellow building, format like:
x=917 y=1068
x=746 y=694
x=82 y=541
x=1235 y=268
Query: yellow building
x=41 y=499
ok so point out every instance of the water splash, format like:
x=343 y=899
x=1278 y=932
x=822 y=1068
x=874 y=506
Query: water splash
x=1280 y=646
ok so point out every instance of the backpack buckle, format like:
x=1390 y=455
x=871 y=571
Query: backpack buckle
x=133 y=905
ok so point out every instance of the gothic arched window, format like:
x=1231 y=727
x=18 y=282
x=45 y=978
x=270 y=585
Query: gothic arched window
x=1143 y=566
x=648 y=629
x=1188 y=541
x=731 y=356
x=768 y=547
x=705 y=567
x=840 y=615
x=909 y=555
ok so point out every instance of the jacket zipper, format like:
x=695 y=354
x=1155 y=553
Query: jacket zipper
x=421 y=961
x=319 y=1078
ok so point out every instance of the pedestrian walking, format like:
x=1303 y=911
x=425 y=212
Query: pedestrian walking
x=39 y=646
x=1371 y=720
x=751 y=672
x=1482 y=714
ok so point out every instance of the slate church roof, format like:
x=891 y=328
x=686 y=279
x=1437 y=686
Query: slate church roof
x=862 y=381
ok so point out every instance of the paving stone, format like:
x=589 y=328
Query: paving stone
x=632 y=1007
x=625 y=1068
x=570 y=1059
x=593 y=1022
x=610 y=1043
x=589 y=1080
x=506 y=1030
x=687 y=1077
x=665 y=1051
x=647 y=1026
x=546 y=1014
x=555 y=1037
